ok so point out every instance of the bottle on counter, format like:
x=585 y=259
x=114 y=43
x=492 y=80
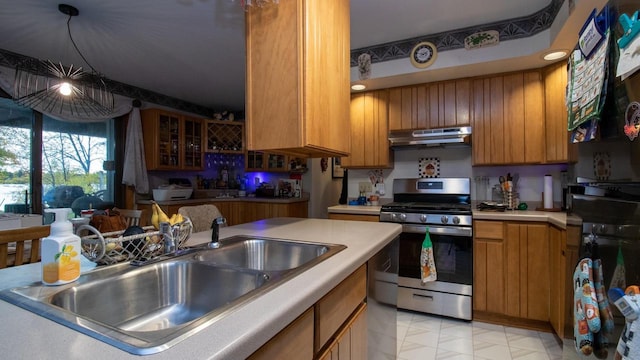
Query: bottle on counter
x=297 y=192
x=224 y=173
x=60 y=251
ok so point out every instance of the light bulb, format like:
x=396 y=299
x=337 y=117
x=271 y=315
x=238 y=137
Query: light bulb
x=555 y=55
x=65 y=89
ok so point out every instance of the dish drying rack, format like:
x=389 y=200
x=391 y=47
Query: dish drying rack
x=113 y=247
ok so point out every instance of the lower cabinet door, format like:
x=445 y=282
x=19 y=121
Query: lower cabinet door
x=351 y=342
x=294 y=342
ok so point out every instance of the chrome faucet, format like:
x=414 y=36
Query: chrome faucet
x=215 y=231
x=168 y=238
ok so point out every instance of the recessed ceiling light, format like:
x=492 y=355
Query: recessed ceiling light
x=358 y=87
x=555 y=55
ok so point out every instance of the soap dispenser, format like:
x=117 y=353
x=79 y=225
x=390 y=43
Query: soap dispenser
x=60 y=251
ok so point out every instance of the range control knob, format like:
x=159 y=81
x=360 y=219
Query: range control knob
x=456 y=220
x=423 y=218
x=403 y=217
x=444 y=219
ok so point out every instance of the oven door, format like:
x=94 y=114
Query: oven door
x=452 y=250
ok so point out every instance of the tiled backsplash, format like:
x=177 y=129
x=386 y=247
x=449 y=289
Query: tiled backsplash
x=456 y=162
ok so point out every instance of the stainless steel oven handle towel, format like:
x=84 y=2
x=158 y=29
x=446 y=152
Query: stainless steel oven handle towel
x=427 y=261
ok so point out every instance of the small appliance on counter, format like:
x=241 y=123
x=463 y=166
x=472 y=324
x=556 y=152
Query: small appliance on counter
x=178 y=189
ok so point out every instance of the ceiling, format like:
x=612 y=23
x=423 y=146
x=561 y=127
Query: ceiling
x=193 y=50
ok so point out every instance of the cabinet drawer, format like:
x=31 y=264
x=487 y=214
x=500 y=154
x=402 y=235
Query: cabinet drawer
x=294 y=342
x=335 y=307
x=488 y=229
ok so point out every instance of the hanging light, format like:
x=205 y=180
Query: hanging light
x=58 y=89
x=258 y=3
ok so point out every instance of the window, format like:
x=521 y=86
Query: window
x=72 y=157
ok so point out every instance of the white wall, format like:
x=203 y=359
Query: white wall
x=324 y=191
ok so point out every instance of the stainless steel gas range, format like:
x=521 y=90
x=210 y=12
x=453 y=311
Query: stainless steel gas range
x=443 y=205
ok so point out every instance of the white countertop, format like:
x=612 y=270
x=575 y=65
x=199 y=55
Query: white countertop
x=28 y=336
x=560 y=219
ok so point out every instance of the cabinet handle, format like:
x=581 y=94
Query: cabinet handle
x=424 y=296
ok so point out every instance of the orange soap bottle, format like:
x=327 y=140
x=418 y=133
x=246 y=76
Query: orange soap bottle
x=60 y=251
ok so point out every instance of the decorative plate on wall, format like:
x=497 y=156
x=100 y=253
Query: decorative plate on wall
x=429 y=167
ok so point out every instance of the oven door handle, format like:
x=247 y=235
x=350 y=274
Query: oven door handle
x=438 y=230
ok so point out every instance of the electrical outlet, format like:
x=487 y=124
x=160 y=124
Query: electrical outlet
x=364 y=187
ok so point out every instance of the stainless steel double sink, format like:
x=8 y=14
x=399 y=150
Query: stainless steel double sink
x=149 y=308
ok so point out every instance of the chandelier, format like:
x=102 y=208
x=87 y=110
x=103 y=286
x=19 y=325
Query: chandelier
x=58 y=89
x=258 y=3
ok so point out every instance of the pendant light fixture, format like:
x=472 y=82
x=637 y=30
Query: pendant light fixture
x=63 y=90
x=246 y=4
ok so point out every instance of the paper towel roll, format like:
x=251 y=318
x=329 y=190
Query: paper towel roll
x=548 y=192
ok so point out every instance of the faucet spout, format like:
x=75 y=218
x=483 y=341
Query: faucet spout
x=168 y=238
x=215 y=231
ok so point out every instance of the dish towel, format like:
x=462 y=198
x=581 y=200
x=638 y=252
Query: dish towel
x=586 y=315
x=134 y=172
x=427 y=262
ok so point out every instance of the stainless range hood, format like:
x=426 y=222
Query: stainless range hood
x=431 y=137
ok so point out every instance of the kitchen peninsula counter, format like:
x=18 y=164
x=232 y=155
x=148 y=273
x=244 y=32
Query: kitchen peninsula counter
x=29 y=336
x=560 y=219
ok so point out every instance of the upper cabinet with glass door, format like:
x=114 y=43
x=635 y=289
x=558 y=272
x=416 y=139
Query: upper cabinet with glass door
x=172 y=141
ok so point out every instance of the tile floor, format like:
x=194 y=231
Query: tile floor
x=424 y=337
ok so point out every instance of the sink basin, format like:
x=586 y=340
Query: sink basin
x=265 y=254
x=165 y=295
x=149 y=308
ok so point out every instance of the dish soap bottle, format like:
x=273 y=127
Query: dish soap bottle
x=60 y=251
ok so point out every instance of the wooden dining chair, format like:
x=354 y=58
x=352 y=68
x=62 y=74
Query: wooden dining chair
x=201 y=216
x=21 y=246
x=132 y=217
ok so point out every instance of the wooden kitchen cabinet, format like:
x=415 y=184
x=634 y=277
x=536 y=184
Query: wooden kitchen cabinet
x=294 y=342
x=298 y=77
x=172 y=141
x=488 y=267
x=264 y=161
x=508 y=119
x=226 y=137
x=340 y=304
x=354 y=217
x=238 y=212
x=337 y=324
x=572 y=251
x=351 y=340
x=527 y=271
x=430 y=106
x=511 y=279
x=558 y=147
x=369 y=131
x=557 y=266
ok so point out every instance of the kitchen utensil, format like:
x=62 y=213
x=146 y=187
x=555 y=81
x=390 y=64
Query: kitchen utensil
x=502 y=181
x=516 y=177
